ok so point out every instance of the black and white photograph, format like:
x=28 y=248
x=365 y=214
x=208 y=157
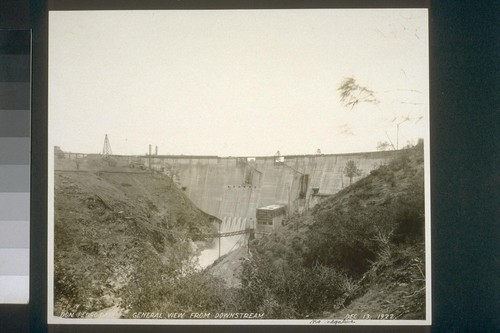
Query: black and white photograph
x=239 y=167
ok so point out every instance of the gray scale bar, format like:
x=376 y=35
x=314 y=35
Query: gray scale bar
x=15 y=123
x=14 y=234
x=14 y=151
x=14 y=206
x=14 y=261
x=14 y=67
x=14 y=178
x=15 y=95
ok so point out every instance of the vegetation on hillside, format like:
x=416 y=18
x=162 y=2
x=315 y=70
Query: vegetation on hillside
x=109 y=226
x=117 y=242
x=368 y=234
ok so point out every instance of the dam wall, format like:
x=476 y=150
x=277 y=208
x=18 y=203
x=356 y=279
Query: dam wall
x=234 y=187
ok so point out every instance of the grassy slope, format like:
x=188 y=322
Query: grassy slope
x=107 y=222
x=359 y=251
x=370 y=232
x=394 y=285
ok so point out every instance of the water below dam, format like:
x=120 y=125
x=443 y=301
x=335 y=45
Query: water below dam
x=227 y=244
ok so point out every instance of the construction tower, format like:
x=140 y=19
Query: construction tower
x=106 y=149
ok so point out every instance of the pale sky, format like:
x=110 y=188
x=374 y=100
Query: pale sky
x=235 y=82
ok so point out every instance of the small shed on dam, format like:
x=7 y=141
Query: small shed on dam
x=270 y=218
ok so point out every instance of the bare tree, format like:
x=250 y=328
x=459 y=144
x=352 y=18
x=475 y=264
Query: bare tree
x=352 y=93
x=384 y=146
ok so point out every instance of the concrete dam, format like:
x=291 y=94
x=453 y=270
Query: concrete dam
x=232 y=188
x=239 y=191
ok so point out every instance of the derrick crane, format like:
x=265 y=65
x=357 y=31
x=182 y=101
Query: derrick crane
x=106 y=149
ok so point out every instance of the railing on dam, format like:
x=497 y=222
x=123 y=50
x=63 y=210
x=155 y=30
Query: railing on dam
x=216 y=235
x=232 y=233
x=232 y=186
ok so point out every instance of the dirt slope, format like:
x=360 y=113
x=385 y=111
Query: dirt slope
x=229 y=267
x=108 y=218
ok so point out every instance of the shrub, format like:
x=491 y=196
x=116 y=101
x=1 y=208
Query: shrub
x=282 y=289
x=174 y=286
x=401 y=161
x=342 y=239
x=409 y=210
x=380 y=171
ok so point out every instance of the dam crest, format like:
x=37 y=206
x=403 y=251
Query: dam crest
x=235 y=187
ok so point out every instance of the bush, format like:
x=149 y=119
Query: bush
x=174 y=286
x=345 y=239
x=380 y=171
x=400 y=162
x=409 y=209
x=283 y=289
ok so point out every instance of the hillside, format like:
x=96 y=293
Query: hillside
x=358 y=251
x=110 y=221
x=126 y=242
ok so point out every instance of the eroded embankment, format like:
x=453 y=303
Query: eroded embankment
x=110 y=223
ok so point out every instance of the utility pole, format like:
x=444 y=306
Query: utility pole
x=397 y=137
x=390 y=141
x=150 y=157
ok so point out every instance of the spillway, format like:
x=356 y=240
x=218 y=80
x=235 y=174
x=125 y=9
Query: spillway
x=227 y=244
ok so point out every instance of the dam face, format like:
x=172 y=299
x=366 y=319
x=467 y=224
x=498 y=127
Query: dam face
x=234 y=187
